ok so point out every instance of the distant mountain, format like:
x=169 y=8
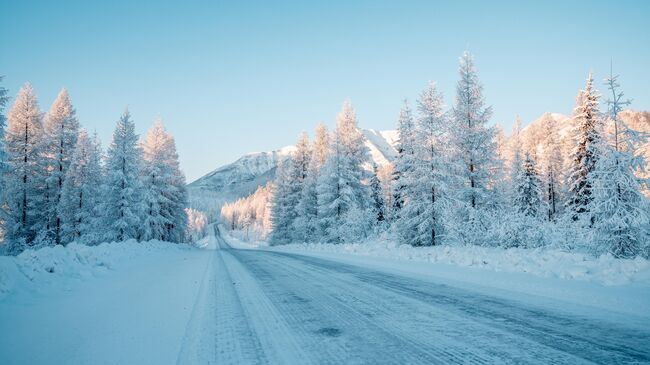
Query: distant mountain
x=242 y=177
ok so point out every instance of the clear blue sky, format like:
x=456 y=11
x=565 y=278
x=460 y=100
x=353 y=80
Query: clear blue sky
x=233 y=77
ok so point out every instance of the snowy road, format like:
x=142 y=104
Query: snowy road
x=258 y=306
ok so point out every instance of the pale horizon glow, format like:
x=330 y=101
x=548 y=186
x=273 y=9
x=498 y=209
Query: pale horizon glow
x=228 y=78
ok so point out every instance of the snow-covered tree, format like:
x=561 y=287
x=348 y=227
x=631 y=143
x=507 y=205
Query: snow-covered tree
x=4 y=161
x=551 y=166
x=377 y=197
x=341 y=185
x=61 y=131
x=124 y=193
x=586 y=137
x=426 y=192
x=24 y=144
x=197 y=224
x=80 y=206
x=527 y=195
x=282 y=205
x=516 y=151
x=306 y=223
x=471 y=138
x=165 y=195
x=620 y=210
x=404 y=161
x=300 y=161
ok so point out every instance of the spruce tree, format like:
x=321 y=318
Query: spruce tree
x=61 y=131
x=165 y=195
x=586 y=137
x=81 y=205
x=552 y=163
x=426 y=181
x=341 y=188
x=528 y=198
x=124 y=193
x=4 y=162
x=405 y=150
x=24 y=144
x=619 y=209
x=471 y=138
x=306 y=223
x=377 y=196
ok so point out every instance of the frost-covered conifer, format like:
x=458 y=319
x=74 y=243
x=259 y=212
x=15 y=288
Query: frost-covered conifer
x=586 y=137
x=124 y=193
x=165 y=194
x=551 y=166
x=61 y=131
x=282 y=210
x=404 y=161
x=81 y=205
x=527 y=194
x=24 y=191
x=377 y=196
x=306 y=223
x=471 y=138
x=426 y=192
x=620 y=210
x=4 y=161
x=341 y=185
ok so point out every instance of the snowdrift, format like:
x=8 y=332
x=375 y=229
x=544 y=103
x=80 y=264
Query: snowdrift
x=605 y=270
x=42 y=268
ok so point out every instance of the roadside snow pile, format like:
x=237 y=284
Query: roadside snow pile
x=605 y=269
x=41 y=268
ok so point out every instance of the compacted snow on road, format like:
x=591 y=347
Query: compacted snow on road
x=237 y=306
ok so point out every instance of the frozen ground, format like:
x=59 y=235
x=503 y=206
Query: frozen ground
x=162 y=304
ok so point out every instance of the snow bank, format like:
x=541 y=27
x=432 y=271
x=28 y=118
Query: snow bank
x=605 y=270
x=40 y=268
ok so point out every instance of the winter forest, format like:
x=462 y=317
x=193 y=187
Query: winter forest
x=57 y=184
x=458 y=180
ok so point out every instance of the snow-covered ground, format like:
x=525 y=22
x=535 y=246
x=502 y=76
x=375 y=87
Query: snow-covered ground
x=116 y=303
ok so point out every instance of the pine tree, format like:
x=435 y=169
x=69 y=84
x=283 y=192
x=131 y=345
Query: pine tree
x=164 y=187
x=528 y=197
x=377 y=196
x=306 y=224
x=80 y=206
x=552 y=162
x=124 y=194
x=299 y=170
x=426 y=192
x=61 y=131
x=471 y=138
x=586 y=138
x=404 y=161
x=24 y=143
x=620 y=211
x=340 y=187
x=282 y=212
x=516 y=149
x=4 y=162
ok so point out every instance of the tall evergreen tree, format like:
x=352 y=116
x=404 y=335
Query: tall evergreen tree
x=4 y=161
x=552 y=163
x=299 y=170
x=81 y=206
x=61 y=131
x=426 y=180
x=471 y=138
x=282 y=210
x=620 y=211
x=586 y=139
x=377 y=196
x=24 y=141
x=306 y=224
x=528 y=198
x=124 y=194
x=341 y=189
x=164 y=187
x=404 y=161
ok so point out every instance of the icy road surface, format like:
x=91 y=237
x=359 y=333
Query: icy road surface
x=258 y=307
